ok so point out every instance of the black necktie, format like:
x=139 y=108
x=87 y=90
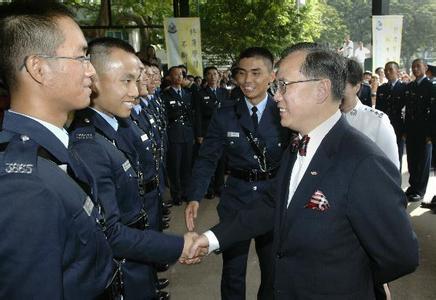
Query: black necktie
x=300 y=145
x=254 y=117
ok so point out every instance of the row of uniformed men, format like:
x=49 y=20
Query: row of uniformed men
x=80 y=211
x=412 y=111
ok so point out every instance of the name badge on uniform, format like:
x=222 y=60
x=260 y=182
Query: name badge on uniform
x=126 y=165
x=88 y=206
x=151 y=121
x=144 y=137
x=172 y=102
x=206 y=98
x=232 y=134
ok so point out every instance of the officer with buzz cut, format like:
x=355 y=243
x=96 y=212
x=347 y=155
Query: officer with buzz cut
x=178 y=106
x=102 y=137
x=207 y=101
x=418 y=134
x=391 y=100
x=53 y=244
x=250 y=137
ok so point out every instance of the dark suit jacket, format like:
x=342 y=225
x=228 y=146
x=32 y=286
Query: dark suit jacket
x=364 y=237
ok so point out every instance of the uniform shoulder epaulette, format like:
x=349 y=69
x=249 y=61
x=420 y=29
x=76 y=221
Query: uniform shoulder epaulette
x=20 y=156
x=374 y=111
x=82 y=129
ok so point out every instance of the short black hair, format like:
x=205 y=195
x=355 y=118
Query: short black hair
x=354 y=72
x=100 y=48
x=322 y=63
x=207 y=69
x=261 y=52
x=28 y=27
x=392 y=63
x=421 y=60
x=172 y=68
x=378 y=69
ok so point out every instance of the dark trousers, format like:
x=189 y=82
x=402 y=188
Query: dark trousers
x=179 y=166
x=400 y=144
x=139 y=281
x=418 y=162
x=235 y=268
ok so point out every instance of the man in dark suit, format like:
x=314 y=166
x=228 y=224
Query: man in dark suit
x=249 y=135
x=178 y=107
x=53 y=244
x=207 y=101
x=418 y=130
x=105 y=141
x=333 y=237
x=391 y=100
x=364 y=94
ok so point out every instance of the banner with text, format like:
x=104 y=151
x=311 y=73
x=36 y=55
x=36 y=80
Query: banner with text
x=183 y=43
x=386 y=36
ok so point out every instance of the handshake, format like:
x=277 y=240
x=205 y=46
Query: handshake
x=195 y=247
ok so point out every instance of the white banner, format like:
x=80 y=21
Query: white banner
x=386 y=36
x=183 y=43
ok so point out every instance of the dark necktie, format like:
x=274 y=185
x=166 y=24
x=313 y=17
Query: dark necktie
x=254 y=117
x=180 y=93
x=300 y=145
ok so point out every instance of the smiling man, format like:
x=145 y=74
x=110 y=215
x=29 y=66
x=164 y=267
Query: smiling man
x=52 y=244
x=333 y=237
x=252 y=141
x=104 y=139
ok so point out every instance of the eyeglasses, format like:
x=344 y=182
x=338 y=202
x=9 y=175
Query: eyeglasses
x=280 y=85
x=83 y=58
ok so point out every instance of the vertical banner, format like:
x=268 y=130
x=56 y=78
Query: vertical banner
x=183 y=43
x=386 y=36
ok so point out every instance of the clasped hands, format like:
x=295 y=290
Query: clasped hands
x=196 y=246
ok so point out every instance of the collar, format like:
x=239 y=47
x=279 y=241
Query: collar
x=260 y=106
x=137 y=108
x=392 y=83
x=418 y=81
x=318 y=134
x=113 y=122
x=60 y=133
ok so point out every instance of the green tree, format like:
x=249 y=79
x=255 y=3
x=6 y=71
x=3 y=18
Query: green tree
x=419 y=23
x=229 y=26
x=334 y=28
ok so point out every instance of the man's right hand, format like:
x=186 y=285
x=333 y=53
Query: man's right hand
x=191 y=214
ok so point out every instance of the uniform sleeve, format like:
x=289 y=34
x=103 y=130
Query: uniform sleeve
x=126 y=242
x=33 y=229
x=379 y=219
x=208 y=156
x=197 y=115
x=387 y=140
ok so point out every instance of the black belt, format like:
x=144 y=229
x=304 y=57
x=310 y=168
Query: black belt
x=151 y=185
x=141 y=222
x=253 y=175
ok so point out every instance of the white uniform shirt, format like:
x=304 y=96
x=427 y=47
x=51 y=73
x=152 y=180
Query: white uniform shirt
x=376 y=125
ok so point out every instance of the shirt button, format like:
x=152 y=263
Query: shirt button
x=255 y=156
x=254 y=188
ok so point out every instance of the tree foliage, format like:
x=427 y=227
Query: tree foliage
x=229 y=26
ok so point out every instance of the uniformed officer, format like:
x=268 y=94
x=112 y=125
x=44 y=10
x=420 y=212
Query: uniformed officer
x=391 y=100
x=178 y=106
x=52 y=245
x=252 y=140
x=373 y=123
x=105 y=143
x=417 y=123
x=207 y=101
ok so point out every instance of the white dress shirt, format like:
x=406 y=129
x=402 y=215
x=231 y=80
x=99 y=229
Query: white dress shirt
x=300 y=166
x=60 y=133
x=111 y=120
x=376 y=125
